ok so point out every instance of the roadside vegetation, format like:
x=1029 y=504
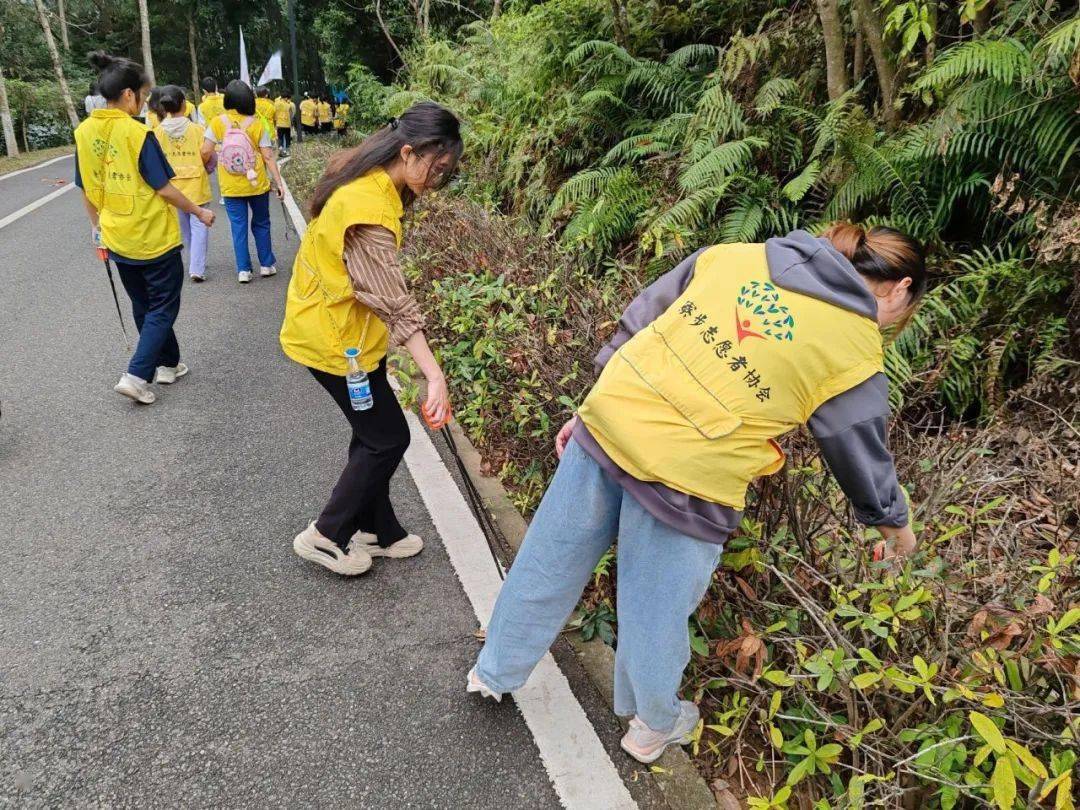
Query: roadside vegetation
x=609 y=139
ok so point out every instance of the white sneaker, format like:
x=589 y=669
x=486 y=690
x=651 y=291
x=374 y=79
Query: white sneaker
x=135 y=388
x=474 y=684
x=167 y=375
x=244 y=276
x=266 y=272
x=646 y=745
x=408 y=546
x=313 y=546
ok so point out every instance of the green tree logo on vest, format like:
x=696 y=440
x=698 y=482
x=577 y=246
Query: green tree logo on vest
x=759 y=313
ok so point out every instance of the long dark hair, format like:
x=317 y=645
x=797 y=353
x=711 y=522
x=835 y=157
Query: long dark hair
x=117 y=74
x=239 y=97
x=429 y=128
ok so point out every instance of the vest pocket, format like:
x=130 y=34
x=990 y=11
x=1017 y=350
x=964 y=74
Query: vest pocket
x=665 y=372
x=121 y=204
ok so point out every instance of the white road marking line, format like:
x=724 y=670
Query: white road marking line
x=582 y=773
x=35 y=167
x=36 y=204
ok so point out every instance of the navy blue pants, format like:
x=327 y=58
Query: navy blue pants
x=154 y=289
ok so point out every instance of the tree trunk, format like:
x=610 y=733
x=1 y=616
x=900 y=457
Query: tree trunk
x=5 y=119
x=886 y=74
x=858 y=62
x=835 y=63
x=58 y=67
x=620 y=23
x=191 y=52
x=144 y=26
x=426 y=27
x=386 y=33
x=982 y=19
x=496 y=10
x=63 y=25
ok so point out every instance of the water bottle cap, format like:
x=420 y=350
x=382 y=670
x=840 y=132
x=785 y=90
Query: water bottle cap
x=352 y=352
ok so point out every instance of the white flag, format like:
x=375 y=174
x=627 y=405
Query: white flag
x=245 y=76
x=272 y=70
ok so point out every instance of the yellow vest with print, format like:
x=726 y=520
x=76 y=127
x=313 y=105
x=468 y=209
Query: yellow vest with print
x=324 y=112
x=283 y=110
x=322 y=316
x=696 y=399
x=211 y=106
x=264 y=107
x=135 y=222
x=236 y=185
x=183 y=155
x=308 y=111
x=189 y=110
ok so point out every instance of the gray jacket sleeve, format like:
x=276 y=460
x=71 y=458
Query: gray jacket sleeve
x=649 y=305
x=852 y=431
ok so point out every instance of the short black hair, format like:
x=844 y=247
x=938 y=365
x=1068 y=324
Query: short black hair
x=209 y=84
x=262 y=91
x=238 y=96
x=117 y=74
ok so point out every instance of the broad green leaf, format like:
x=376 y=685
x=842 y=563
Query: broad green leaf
x=778 y=677
x=988 y=731
x=1003 y=781
x=774 y=703
x=1029 y=760
x=865 y=679
x=775 y=737
x=1069 y=619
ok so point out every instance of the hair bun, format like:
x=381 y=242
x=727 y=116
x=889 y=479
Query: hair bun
x=101 y=60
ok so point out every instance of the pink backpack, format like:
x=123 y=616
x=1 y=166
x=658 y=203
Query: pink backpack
x=237 y=152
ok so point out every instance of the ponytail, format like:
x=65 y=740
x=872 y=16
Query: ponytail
x=117 y=74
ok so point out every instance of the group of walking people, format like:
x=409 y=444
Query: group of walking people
x=709 y=367
x=319 y=114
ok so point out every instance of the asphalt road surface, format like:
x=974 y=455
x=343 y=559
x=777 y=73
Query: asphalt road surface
x=160 y=644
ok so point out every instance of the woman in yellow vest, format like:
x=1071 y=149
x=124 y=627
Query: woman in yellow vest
x=348 y=296
x=326 y=115
x=181 y=140
x=245 y=191
x=125 y=178
x=309 y=115
x=212 y=104
x=284 y=108
x=264 y=108
x=341 y=118
x=711 y=364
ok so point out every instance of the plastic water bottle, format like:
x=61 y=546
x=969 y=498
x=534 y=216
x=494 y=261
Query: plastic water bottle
x=357 y=381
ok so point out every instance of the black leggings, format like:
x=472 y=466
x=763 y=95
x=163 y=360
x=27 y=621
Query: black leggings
x=380 y=435
x=284 y=136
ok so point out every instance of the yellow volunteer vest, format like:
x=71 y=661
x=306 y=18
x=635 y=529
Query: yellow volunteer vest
x=322 y=316
x=135 y=222
x=340 y=116
x=308 y=111
x=183 y=154
x=283 y=110
x=151 y=119
x=211 y=106
x=189 y=110
x=324 y=112
x=696 y=400
x=265 y=108
x=235 y=185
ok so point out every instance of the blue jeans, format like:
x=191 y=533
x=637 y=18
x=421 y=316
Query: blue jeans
x=154 y=289
x=237 y=209
x=662 y=577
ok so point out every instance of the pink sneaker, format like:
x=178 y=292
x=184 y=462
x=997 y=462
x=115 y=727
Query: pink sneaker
x=646 y=745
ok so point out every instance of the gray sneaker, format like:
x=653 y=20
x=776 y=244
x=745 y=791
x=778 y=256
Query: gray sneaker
x=135 y=388
x=314 y=547
x=167 y=375
x=646 y=745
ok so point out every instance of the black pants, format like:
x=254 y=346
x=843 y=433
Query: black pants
x=310 y=129
x=284 y=137
x=380 y=435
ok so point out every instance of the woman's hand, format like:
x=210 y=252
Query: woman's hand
x=205 y=216
x=279 y=190
x=437 y=404
x=564 y=435
x=898 y=543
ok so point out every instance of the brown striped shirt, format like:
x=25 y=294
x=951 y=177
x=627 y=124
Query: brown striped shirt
x=371 y=255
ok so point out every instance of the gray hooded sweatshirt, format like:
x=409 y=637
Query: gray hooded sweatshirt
x=851 y=428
